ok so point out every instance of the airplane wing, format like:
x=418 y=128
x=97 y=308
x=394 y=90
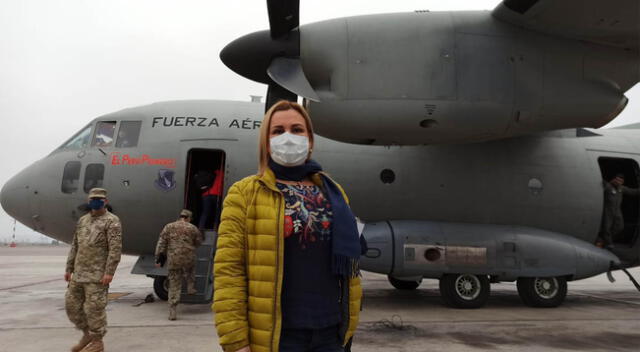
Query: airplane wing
x=609 y=22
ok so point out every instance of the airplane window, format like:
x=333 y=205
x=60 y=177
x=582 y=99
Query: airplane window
x=93 y=176
x=71 y=177
x=80 y=140
x=128 y=134
x=104 y=136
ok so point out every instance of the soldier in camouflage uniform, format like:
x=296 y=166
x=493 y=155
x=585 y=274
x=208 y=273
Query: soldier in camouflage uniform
x=177 y=243
x=612 y=219
x=91 y=264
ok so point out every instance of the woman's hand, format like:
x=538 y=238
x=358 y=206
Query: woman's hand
x=244 y=349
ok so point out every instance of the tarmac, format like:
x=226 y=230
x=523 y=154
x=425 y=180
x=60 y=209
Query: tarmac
x=596 y=316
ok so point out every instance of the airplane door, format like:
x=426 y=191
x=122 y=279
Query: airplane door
x=203 y=190
x=625 y=243
x=211 y=162
x=610 y=167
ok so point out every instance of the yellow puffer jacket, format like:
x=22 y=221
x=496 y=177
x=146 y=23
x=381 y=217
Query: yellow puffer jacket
x=248 y=268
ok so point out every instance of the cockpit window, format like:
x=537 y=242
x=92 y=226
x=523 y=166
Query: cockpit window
x=70 y=177
x=104 y=135
x=93 y=176
x=80 y=140
x=128 y=134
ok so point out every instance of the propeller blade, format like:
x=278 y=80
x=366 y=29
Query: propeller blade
x=284 y=15
x=288 y=73
x=273 y=57
x=275 y=93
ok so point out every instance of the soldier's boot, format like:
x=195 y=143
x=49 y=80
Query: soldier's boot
x=84 y=340
x=96 y=345
x=172 y=313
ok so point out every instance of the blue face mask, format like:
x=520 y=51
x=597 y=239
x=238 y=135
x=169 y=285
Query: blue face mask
x=96 y=204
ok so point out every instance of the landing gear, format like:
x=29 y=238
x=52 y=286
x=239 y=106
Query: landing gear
x=464 y=290
x=402 y=284
x=161 y=287
x=542 y=292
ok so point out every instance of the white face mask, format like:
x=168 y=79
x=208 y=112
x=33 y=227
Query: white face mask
x=289 y=149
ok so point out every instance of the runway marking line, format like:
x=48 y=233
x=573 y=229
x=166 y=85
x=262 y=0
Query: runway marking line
x=112 y=296
x=606 y=298
x=45 y=281
x=29 y=284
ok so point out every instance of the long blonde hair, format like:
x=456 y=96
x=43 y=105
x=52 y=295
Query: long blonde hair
x=282 y=105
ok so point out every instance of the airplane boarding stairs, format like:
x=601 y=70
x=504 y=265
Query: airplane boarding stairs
x=204 y=272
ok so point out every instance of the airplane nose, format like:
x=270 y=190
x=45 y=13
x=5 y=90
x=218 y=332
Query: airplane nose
x=13 y=198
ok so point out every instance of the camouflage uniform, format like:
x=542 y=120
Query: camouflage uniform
x=95 y=251
x=612 y=219
x=179 y=240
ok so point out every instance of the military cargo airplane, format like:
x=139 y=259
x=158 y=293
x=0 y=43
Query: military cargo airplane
x=405 y=87
x=525 y=209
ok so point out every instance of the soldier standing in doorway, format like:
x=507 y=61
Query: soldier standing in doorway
x=91 y=264
x=612 y=219
x=177 y=245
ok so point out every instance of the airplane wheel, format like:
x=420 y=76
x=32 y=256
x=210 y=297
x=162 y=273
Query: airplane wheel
x=465 y=290
x=161 y=287
x=402 y=284
x=542 y=292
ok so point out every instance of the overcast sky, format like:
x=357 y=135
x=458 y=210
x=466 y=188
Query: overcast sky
x=65 y=62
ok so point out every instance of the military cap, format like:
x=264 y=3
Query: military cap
x=187 y=213
x=98 y=193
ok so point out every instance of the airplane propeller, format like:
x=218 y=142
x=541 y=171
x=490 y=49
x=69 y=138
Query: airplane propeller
x=273 y=57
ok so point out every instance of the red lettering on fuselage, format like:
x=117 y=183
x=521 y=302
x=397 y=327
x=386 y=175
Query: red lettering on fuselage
x=145 y=159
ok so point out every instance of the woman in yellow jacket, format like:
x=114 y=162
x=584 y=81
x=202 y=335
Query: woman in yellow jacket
x=286 y=265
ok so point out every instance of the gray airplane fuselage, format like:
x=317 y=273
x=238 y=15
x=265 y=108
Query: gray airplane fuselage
x=551 y=181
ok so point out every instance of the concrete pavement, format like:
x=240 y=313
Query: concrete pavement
x=597 y=315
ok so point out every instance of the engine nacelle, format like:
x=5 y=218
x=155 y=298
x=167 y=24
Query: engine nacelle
x=410 y=249
x=434 y=78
